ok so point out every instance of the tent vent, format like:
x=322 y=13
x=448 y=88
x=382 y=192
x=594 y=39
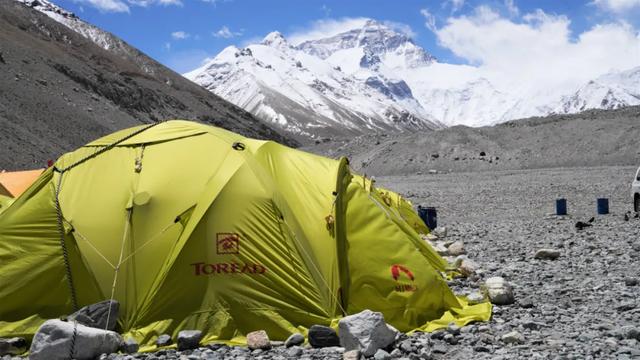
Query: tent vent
x=238 y=146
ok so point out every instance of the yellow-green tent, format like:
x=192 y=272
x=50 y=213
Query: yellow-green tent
x=5 y=201
x=193 y=227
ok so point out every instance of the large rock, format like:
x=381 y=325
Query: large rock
x=323 y=336
x=189 y=339
x=547 y=254
x=499 y=291
x=258 y=340
x=53 y=341
x=95 y=315
x=365 y=331
x=468 y=267
x=163 y=340
x=13 y=346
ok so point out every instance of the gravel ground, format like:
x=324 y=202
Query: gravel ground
x=582 y=305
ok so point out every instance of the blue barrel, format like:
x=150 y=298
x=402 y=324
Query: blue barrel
x=561 y=206
x=429 y=216
x=603 y=206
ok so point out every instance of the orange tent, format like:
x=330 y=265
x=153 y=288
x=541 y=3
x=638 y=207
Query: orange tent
x=14 y=183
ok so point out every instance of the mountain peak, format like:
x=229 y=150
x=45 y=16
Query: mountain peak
x=275 y=39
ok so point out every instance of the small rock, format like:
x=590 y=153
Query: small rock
x=499 y=291
x=189 y=339
x=450 y=339
x=547 y=254
x=453 y=329
x=13 y=346
x=163 y=340
x=513 y=337
x=630 y=281
x=440 y=231
x=96 y=315
x=351 y=355
x=130 y=346
x=439 y=349
x=294 y=339
x=468 y=267
x=258 y=340
x=294 y=351
x=53 y=340
x=475 y=298
x=365 y=331
x=323 y=336
x=382 y=355
x=457 y=248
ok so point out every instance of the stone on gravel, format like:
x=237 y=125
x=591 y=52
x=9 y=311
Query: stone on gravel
x=547 y=254
x=294 y=339
x=163 y=340
x=513 y=337
x=351 y=355
x=475 y=298
x=294 y=351
x=365 y=331
x=381 y=355
x=631 y=281
x=13 y=346
x=189 y=339
x=96 y=315
x=499 y=291
x=53 y=339
x=468 y=267
x=440 y=231
x=130 y=346
x=258 y=340
x=456 y=248
x=321 y=336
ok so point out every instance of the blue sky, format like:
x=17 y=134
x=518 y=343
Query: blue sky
x=182 y=33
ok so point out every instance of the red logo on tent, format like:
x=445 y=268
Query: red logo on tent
x=227 y=243
x=396 y=271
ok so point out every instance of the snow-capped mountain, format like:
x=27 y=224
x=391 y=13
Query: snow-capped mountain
x=374 y=78
x=303 y=93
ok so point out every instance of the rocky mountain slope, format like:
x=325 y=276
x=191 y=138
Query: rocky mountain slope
x=590 y=138
x=373 y=78
x=64 y=83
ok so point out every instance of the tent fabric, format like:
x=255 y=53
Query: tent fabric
x=14 y=183
x=194 y=227
x=5 y=201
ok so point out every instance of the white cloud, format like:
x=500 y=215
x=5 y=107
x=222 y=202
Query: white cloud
x=617 y=6
x=167 y=46
x=180 y=35
x=539 y=50
x=123 y=5
x=226 y=33
x=511 y=7
x=429 y=20
x=325 y=28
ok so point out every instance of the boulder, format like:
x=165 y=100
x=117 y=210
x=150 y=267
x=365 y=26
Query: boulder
x=95 y=315
x=13 y=346
x=53 y=341
x=163 y=340
x=323 y=336
x=456 y=248
x=130 y=346
x=499 y=291
x=258 y=340
x=189 y=339
x=365 y=331
x=294 y=339
x=547 y=254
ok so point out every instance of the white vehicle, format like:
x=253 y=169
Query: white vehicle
x=635 y=191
